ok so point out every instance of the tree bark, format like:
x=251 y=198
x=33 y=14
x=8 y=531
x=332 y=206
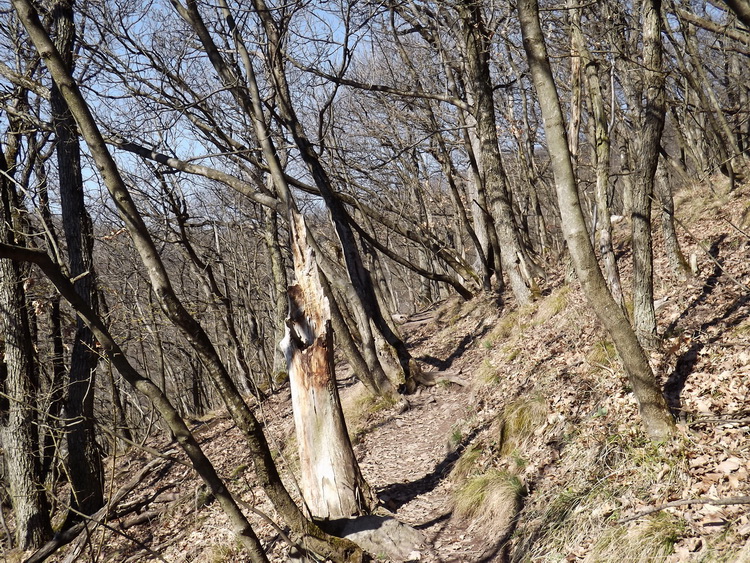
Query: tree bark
x=84 y=457
x=653 y=408
x=653 y=112
x=273 y=245
x=20 y=436
x=332 y=484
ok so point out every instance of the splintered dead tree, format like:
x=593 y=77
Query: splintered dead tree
x=332 y=484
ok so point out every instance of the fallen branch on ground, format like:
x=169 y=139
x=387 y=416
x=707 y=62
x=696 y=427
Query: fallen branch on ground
x=685 y=502
x=67 y=536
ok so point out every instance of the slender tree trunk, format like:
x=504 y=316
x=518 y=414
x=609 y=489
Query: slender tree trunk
x=576 y=96
x=653 y=113
x=601 y=161
x=273 y=246
x=515 y=258
x=373 y=377
x=84 y=458
x=677 y=262
x=653 y=408
x=626 y=171
x=56 y=387
x=479 y=207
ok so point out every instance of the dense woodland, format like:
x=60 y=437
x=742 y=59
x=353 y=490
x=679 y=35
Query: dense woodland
x=188 y=184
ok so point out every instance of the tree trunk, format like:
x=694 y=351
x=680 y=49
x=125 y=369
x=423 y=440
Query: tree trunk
x=515 y=258
x=653 y=114
x=20 y=436
x=273 y=245
x=601 y=161
x=677 y=262
x=372 y=376
x=84 y=458
x=653 y=408
x=332 y=484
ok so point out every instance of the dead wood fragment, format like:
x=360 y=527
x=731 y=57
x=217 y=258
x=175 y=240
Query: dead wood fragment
x=685 y=502
x=141 y=518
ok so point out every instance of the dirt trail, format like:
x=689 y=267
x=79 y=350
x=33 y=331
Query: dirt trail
x=407 y=456
x=408 y=461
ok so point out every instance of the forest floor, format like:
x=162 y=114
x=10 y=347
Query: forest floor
x=531 y=449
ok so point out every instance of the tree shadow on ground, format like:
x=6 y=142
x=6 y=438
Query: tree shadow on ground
x=687 y=361
x=708 y=287
x=396 y=495
x=466 y=342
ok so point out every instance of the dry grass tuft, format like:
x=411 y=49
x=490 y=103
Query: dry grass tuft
x=466 y=463
x=551 y=305
x=504 y=328
x=490 y=499
x=519 y=420
x=359 y=407
x=651 y=540
x=580 y=517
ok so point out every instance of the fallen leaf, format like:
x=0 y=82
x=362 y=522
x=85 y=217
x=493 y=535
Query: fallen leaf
x=729 y=465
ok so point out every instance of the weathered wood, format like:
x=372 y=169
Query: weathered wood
x=332 y=484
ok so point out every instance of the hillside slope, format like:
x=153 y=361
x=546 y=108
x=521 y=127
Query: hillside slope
x=530 y=449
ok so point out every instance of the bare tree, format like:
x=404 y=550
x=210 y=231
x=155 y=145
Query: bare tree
x=84 y=458
x=654 y=411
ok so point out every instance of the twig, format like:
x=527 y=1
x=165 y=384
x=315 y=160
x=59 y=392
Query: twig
x=67 y=536
x=719 y=421
x=684 y=502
